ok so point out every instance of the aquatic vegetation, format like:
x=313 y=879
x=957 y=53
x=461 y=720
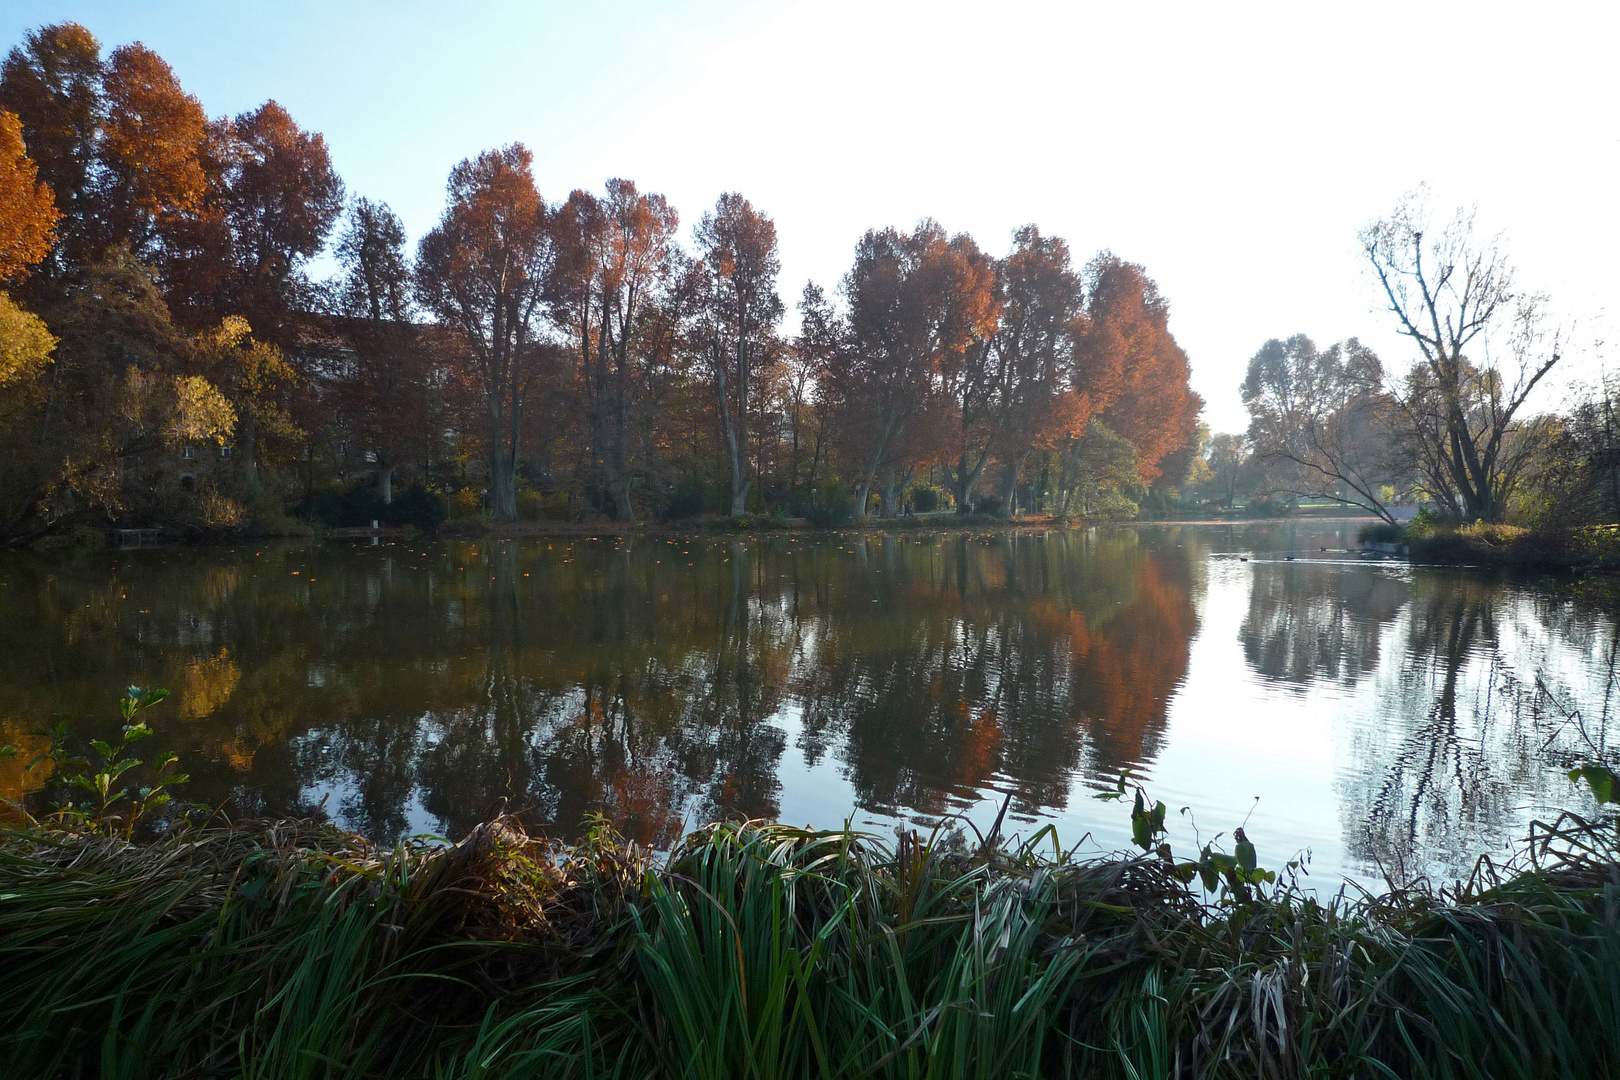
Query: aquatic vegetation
x=757 y=950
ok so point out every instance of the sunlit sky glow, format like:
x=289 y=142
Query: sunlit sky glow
x=1233 y=150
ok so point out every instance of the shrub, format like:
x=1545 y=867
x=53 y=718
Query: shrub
x=1381 y=533
x=688 y=499
x=466 y=503
x=834 y=507
x=925 y=499
x=1264 y=507
x=531 y=505
x=416 y=507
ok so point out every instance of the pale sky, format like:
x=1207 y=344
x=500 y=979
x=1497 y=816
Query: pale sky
x=1233 y=150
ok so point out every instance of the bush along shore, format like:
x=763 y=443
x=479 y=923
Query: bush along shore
x=1583 y=549
x=295 y=949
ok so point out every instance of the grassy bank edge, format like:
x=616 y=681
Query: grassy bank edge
x=765 y=950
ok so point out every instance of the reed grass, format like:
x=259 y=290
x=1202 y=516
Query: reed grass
x=753 y=950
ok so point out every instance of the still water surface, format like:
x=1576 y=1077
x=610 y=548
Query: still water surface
x=1371 y=713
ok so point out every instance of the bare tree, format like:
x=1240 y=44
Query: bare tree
x=1320 y=422
x=1451 y=292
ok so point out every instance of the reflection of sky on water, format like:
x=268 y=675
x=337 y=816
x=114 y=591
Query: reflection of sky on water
x=1383 y=714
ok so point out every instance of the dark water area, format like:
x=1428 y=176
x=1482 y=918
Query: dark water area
x=1373 y=713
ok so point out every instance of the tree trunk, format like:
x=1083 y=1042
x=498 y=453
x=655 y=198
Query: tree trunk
x=247 y=446
x=734 y=437
x=385 y=483
x=502 y=485
x=1009 y=488
x=894 y=490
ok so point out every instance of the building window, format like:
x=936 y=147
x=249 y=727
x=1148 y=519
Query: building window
x=224 y=451
x=188 y=453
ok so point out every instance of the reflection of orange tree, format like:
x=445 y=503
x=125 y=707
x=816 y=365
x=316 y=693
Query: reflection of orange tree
x=1024 y=659
x=615 y=678
x=17 y=781
x=632 y=689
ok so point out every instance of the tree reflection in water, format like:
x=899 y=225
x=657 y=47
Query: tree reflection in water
x=665 y=681
x=1475 y=724
x=410 y=686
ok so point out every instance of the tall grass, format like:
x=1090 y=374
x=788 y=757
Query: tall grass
x=763 y=951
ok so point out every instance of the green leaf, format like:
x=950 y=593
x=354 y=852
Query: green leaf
x=1246 y=856
x=119 y=768
x=8 y=751
x=104 y=749
x=1600 y=778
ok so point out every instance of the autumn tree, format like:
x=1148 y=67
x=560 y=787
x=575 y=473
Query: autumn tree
x=902 y=325
x=736 y=312
x=1039 y=407
x=282 y=198
x=483 y=271
x=28 y=217
x=123 y=384
x=52 y=83
x=616 y=260
x=1483 y=346
x=972 y=371
x=150 y=152
x=1142 y=387
x=1130 y=370
x=28 y=213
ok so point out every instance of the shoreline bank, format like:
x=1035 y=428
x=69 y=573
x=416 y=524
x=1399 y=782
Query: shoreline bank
x=764 y=950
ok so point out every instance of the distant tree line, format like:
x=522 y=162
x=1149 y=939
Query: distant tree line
x=167 y=356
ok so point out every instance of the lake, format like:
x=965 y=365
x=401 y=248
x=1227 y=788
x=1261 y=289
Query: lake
x=1384 y=718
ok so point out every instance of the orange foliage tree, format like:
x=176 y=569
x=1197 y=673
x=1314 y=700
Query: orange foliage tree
x=483 y=271
x=28 y=213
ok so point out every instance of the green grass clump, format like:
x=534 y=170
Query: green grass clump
x=753 y=950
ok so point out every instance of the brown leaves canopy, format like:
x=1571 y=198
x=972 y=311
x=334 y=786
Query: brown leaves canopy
x=152 y=139
x=28 y=213
x=1128 y=362
x=282 y=197
x=483 y=267
x=917 y=302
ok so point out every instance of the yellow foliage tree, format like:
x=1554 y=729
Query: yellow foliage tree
x=25 y=344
